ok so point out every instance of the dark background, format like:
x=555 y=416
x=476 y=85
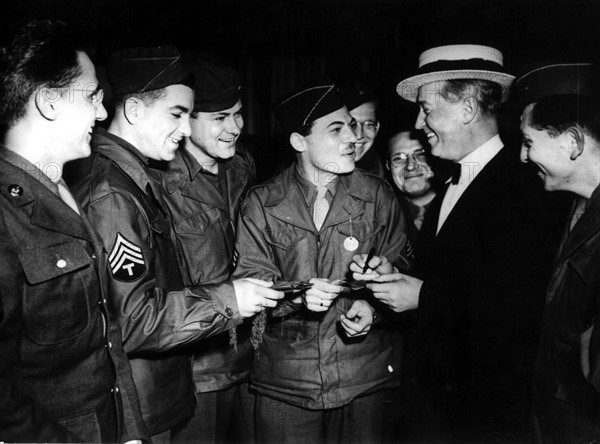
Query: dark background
x=276 y=45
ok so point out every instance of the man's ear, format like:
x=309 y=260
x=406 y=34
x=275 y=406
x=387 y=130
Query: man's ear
x=298 y=142
x=387 y=165
x=46 y=102
x=133 y=108
x=576 y=142
x=470 y=109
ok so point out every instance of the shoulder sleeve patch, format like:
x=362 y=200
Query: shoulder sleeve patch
x=126 y=260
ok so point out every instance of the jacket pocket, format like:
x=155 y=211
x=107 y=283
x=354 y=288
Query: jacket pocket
x=362 y=230
x=84 y=425
x=294 y=249
x=60 y=279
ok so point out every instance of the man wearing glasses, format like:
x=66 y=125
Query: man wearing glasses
x=407 y=164
x=361 y=102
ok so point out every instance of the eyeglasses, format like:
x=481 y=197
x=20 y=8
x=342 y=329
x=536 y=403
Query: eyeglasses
x=368 y=126
x=401 y=159
x=96 y=97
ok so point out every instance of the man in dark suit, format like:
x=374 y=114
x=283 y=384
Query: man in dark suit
x=482 y=265
x=64 y=376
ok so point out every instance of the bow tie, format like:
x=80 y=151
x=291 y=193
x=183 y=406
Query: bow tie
x=455 y=173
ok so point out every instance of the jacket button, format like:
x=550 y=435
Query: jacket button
x=229 y=311
x=61 y=263
x=15 y=190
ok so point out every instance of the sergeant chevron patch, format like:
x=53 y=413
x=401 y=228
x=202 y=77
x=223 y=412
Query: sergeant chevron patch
x=126 y=260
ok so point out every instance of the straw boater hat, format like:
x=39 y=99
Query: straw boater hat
x=453 y=62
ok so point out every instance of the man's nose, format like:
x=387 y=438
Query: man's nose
x=185 y=127
x=420 y=123
x=359 y=131
x=101 y=113
x=523 y=154
x=350 y=134
x=411 y=165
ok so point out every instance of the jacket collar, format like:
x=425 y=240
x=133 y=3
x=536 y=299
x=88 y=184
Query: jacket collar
x=353 y=184
x=585 y=227
x=183 y=173
x=125 y=156
x=284 y=196
x=45 y=208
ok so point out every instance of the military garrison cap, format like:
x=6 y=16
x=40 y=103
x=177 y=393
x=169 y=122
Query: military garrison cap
x=555 y=80
x=138 y=70
x=216 y=86
x=356 y=93
x=314 y=100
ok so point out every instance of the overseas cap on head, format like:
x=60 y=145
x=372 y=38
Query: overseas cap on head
x=138 y=70
x=453 y=62
x=316 y=99
x=355 y=93
x=555 y=80
x=216 y=86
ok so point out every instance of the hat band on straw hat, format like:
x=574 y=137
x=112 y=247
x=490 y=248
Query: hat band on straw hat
x=458 y=65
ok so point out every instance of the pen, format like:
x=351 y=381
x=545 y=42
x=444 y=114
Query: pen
x=369 y=257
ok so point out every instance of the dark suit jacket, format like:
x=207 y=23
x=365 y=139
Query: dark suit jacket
x=480 y=305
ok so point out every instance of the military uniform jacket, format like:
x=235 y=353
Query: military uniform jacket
x=64 y=376
x=567 y=373
x=306 y=358
x=158 y=316
x=203 y=221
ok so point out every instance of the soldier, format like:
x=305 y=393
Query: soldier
x=64 y=376
x=324 y=370
x=202 y=189
x=122 y=196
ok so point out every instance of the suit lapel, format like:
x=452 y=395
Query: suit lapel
x=475 y=195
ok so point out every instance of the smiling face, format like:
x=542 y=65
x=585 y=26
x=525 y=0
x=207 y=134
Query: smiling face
x=214 y=135
x=79 y=108
x=408 y=165
x=329 y=148
x=550 y=154
x=442 y=122
x=164 y=122
x=366 y=128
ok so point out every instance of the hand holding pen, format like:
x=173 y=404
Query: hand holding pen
x=367 y=267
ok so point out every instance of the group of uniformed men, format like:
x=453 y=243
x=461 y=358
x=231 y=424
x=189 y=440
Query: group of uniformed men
x=160 y=296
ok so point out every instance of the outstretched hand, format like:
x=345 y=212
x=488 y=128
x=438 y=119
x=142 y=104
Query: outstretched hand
x=254 y=294
x=398 y=291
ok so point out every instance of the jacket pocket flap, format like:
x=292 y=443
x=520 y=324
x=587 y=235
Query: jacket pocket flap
x=47 y=262
x=284 y=237
x=199 y=223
